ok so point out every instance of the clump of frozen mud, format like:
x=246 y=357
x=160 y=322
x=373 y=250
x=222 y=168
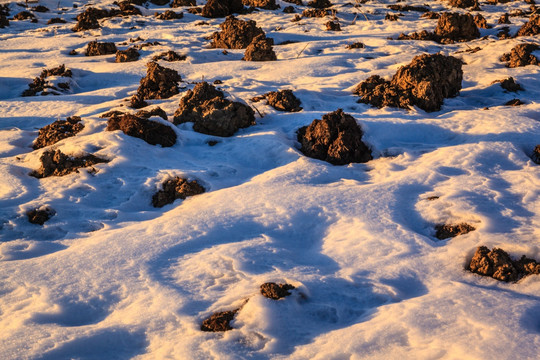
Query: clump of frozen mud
x=235 y=34
x=58 y=130
x=56 y=163
x=500 y=266
x=44 y=85
x=445 y=231
x=159 y=83
x=282 y=100
x=177 y=188
x=275 y=291
x=150 y=131
x=521 y=55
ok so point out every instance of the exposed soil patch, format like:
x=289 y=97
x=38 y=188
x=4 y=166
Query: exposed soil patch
x=169 y=15
x=56 y=163
x=58 y=130
x=221 y=8
x=463 y=4
x=159 y=83
x=89 y=19
x=356 y=45
x=260 y=49
x=128 y=55
x=211 y=113
x=41 y=85
x=169 y=56
x=40 y=215
x=509 y=84
x=425 y=82
x=157 y=111
x=481 y=22
x=276 y=291
x=289 y=10
x=408 y=8
x=320 y=4
x=431 y=15
x=262 y=4
x=235 y=34
x=521 y=55
x=514 y=102
x=177 y=188
x=296 y=2
x=180 y=3
x=319 y=13
x=536 y=155
x=504 y=19
x=56 y=21
x=150 y=131
x=531 y=27
x=333 y=26
x=282 y=100
x=391 y=17
x=457 y=27
x=95 y=48
x=220 y=321
x=3 y=21
x=445 y=231
x=500 y=266
x=24 y=15
x=336 y=138
x=127 y=9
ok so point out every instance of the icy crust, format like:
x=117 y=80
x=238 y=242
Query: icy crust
x=362 y=260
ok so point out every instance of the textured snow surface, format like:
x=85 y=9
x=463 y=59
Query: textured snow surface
x=111 y=277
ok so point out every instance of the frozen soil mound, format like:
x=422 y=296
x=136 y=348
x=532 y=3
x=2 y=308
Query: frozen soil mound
x=221 y=8
x=169 y=56
x=498 y=265
x=180 y=3
x=276 y=291
x=211 y=113
x=320 y=4
x=58 y=130
x=315 y=13
x=536 y=155
x=463 y=4
x=150 y=131
x=128 y=55
x=56 y=163
x=159 y=83
x=521 y=55
x=56 y=20
x=445 y=231
x=260 y=49
x=40 y=215
x=220 y=321
x=451 y=27
x=89 y=19
x=509 y=84
x=146 y=114
x=282 y=100
x=24 y=15
x=336 y=139
x=398 y=7
x=531 y=27
x=425 y=82
x=262 y=4
x=40 y=84
x=169 y=15
x=177 y=188
x=334 y=26
x=95 y=48
x=235 y=34
x=481 y=22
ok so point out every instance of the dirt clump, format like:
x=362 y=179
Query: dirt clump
x=169 y=56
x=356 y=45
x=95 y=48
x=420 y=35
x=128 y=55
x=56 y=20
x=500 y=266
x=24 y=15
x=318 y=13
x=425 y=82
x=397 y=7
x=333 y=26
x=235 y=34
x=260 y=49
x=509 y=84
x=391 y=17
x=128 y=9
x=296 y=2
x=159 y=83
x=41 y=85
x=159 y=2
x=89 y=19
x=58 y=130
x=336 y=139
x=220 y=321
x=3 y=21
x=263 y=4
x=531 y=27
x=481 y=22
x=457 y=27
x=320 y=4
x=504 y=19
x=176 y=188
x=211 y=113
x=288 y=10
x=150 y=131
x=56 y=163
x=431 y=15
x=463 y=4
x=514 y=102
x=40 y=9
x=146 y=114
x=180 y=3
x=282 y=100
x=40 y=215
x=536 y=155
x=221 y=8
x=521 y=55
x=275 y=291
x=445 y=231
x=169 y=15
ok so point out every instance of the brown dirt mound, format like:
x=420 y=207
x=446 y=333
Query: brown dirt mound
x=89 y=19
x=531 y=27
x=391 y=17
x=128 y=9
x=288 y=10
x=56 y=21
x=40 y=83
x=463 y=4
x=504 y=19
x=221 y=8
x=319 y=13
x=498 y=265
x=263 y=4
x=95 y=48
x=159 y=83
x=169 y=56
x=514 y=102
x=336 y=138
x=333 y=26
x=431 y=15
x=276 y=291
x=160 y=2
x=296 y=2
x=282 y=100
x=40 y=215
x=408 y=8
x=420 y=35
x=176 y=188
x=179 y=3
x=320 y=4
x=219 y=321
x=445 y=231
x=128 y=55
x=260 y=49
x=457 y=27
x=425 y=82
x=169 y=15
x=509 y=84
x=521 y=55
x=56 y=163
x=3 y=21
x=235 y=34
x=150 y=131
x=536 y=155
x=40 y=8
x=356 y=45
x=481 y=22
x=58 y=130
x=24 y=15
x=211 y=113
x=157 y=111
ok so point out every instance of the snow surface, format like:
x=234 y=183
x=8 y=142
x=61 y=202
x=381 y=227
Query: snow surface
x=111 y=277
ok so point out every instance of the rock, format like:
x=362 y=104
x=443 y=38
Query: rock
x=521 y=55
x=221 y=8
x=445 y=231
x=260 y=49
x=536 y=155
x=235 y=34
x=336 y=139
x=296 y=2
x=263 y=4
x=457 y=27
x=498 y=265
x=211 y=113
x=180 y=3
x=430 y=15
x=150 y=131
x=531 y=27
x=276 y=291
x=169 y=56
x=282 y=100
x=169 y=15
x=157 y=111
x=127 y=9
x=40 y=83
x=159 y=83
x=509 y=84
x=95 y=48
x=159 y=2
x=128 y=55
x=391 y=17
x=333 y=26
x=320 y=4
x=58 y=130
x=219 y=321
x=56 y=163
x=177 y=188
x=425 y=82
x=40 y=216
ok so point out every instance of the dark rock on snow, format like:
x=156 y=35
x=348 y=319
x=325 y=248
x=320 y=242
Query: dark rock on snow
x=40 y=84
x=263 y=4
x=169 y=15
x=169 y=56
x=128 y=55
x=221 y=8
x=282 y=100
x=509 y=84
x=95 y=48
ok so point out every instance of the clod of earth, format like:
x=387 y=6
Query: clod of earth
x=169 y=56
x=282 y=100
x=221 y=8
x=509 y=84
x=445 y=231
x=276 y=291
x=288 y=9
x=180 y=3
x=431 y=15
x=40 y=84
x=169 y=15
x=320 y=4
x=263 y=4
x=56 y=21
x=500 y=266
x=260 y=49
x=40 y=215
x=56 y=163
x=159 y=83
x=127 y=9
x=536 y=155
x=336 y=139
x=211 y=113
x=23 y=15
x=128 y=55
x=160 y=2
x=356 y=45
x=425 y=82
x=481 y=21
x=319 y=13
x=177 y=188
x=89 y=19
x=521 y=55
x=3 y=21
x=150 y=131
x=40 y=8
x=333 y=26
x=504 y=19
x=408 y=8
x=58 y=130
x=457 y=27
x=463 y=4
x=220 y=321
x=235 y=34
x=296 y=2
x=157 y=111
x=531 y=27
x=95 y=48
x=514 y=102
x=391 y=17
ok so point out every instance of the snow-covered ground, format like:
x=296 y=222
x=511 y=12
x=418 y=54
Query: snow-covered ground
x=111 y=277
